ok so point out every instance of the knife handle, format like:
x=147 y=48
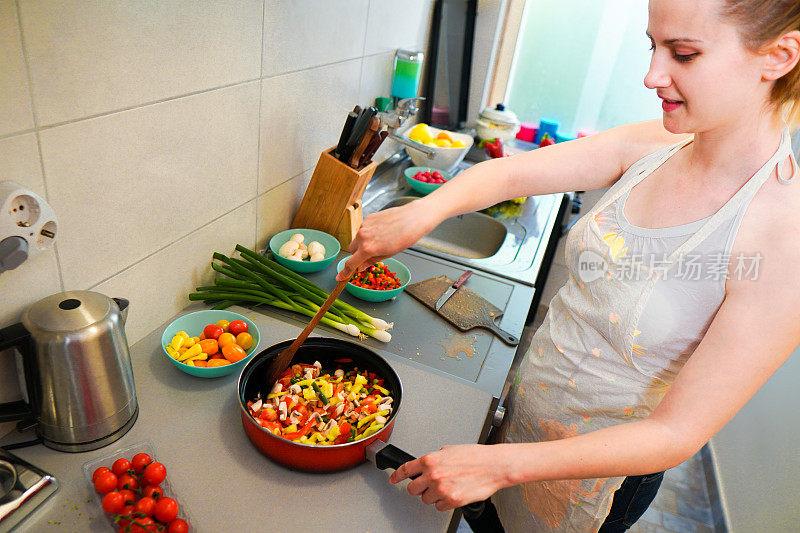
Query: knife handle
x=372 y=128
x=461 y=279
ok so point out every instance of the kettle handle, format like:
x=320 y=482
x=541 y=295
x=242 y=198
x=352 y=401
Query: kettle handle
x=16 y=336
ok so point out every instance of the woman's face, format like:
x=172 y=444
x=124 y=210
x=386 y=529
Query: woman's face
x=700 y=68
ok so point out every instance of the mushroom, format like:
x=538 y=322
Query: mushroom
x=288 y=249
x=298 y=238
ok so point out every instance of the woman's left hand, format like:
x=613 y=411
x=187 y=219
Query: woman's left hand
x=456 y=475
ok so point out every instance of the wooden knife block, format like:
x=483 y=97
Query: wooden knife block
x=332 y=201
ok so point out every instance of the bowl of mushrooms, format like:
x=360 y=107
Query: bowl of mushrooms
x=304 y=250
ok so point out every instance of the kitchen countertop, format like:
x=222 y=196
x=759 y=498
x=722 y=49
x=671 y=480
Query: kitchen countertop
x=224 y=481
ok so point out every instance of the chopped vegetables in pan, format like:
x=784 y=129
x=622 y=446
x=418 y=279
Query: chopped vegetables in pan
x=312 y=406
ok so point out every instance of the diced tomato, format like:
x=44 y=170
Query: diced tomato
x=268 y=413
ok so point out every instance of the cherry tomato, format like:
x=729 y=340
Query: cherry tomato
x=121 y=466
x=105 y=482
x=146 y=506
x=129 y=496
x=154 y=491
x=127 y=481
x=245 y=340
x=178 y=526
x=233 y=352
x=166 y=510
x=223 y=324
x=226 y=339
x=99 y=471
x=139 y=461
x=154 y=474
x=237 y=326
x=209 y=346
x=113 y=502
x=125 y=515
x=143 y=525
x=213 y=331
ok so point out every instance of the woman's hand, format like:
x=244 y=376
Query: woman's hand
x=387 y=232
x=456 y=475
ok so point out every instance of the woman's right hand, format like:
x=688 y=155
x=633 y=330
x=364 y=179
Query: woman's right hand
x=387 y=232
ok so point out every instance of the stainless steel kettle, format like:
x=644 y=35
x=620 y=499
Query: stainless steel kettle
x=77 y=370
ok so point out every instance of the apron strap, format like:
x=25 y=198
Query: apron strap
x=747 y=191
x=658 y=159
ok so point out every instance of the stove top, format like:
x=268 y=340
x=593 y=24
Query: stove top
x=23 y=487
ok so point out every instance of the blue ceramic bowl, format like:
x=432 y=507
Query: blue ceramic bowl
x=421 y=186
x=328 y=241
x=193 y=324
x=371 y=295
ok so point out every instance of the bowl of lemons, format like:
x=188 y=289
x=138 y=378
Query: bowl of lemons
x=450 y=147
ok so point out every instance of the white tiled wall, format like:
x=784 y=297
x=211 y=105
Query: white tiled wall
x=163 y=131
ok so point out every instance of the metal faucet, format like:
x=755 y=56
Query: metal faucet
x=406 y=108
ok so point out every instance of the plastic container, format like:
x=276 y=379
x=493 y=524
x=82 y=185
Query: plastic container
x=128 y=452
x=407 y=73
x=545 y=126
x=327 y=240
x=193 y=324
x=527 y=132
x=563 y=138
x=372 y=295
x=496 y=123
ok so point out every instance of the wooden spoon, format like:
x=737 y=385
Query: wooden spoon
x=281 y=363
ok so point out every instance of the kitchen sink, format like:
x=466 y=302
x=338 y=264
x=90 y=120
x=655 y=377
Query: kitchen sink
x=510 y=243
x=473 y=235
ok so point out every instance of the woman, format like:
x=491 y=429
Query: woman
x=608 y=388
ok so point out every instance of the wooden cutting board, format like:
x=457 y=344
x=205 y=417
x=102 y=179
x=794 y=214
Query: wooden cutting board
x=464 y=309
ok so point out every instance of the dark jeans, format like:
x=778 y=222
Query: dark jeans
x=630 y=502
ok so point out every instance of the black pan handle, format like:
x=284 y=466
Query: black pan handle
x=16 y=336
x=391 y=456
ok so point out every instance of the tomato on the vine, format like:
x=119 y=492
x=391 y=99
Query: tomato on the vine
x=105 y=482
x=125 y=516
x=143 y=525
x=178 y=526
x=113 y=502
x=127 y=481
x=154 y=474
x=139 y=461
x=166 y=510
x=121 y=466
x=146 y=506
x=154 y=491
x=99 y=471
x=129 y=496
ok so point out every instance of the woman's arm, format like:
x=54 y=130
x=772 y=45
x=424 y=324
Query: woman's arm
x=753 y=333
x=584 y=164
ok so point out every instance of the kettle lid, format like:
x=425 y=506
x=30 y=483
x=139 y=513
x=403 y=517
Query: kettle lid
x=67 y=311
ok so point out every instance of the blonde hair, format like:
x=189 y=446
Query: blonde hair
x=761 y=22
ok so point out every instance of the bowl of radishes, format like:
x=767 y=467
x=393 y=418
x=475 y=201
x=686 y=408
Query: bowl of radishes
x=426 y=179
x=304 y=250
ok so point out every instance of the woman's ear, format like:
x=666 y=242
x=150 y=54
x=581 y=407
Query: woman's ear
x=782 y=56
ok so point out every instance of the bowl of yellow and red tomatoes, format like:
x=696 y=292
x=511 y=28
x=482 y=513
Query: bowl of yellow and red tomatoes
x=210 y=343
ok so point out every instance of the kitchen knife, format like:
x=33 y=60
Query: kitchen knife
x=386 y=456
x=451 y=289
x=349 y=121
x=372 y=129
x=372 y=147
x=362 y=122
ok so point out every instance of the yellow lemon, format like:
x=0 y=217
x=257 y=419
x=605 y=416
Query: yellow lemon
x=458 y=144
x=443 y=143
x=444 y=135
x=420 y=133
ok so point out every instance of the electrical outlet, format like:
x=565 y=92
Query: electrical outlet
x=27 y=216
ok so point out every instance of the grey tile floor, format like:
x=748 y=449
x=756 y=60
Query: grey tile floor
x=684 y=501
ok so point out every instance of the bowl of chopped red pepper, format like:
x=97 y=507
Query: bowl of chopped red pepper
x=379 y=282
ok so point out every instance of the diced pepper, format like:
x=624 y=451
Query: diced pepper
x=381 y=389
x=374 y=428
x=359 y=382
x=309 y=394
x=276 y=394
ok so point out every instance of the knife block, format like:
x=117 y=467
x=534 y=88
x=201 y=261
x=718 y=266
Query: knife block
x=332 y=201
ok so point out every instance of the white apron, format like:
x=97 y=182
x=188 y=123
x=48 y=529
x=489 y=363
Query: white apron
x=614 y=338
